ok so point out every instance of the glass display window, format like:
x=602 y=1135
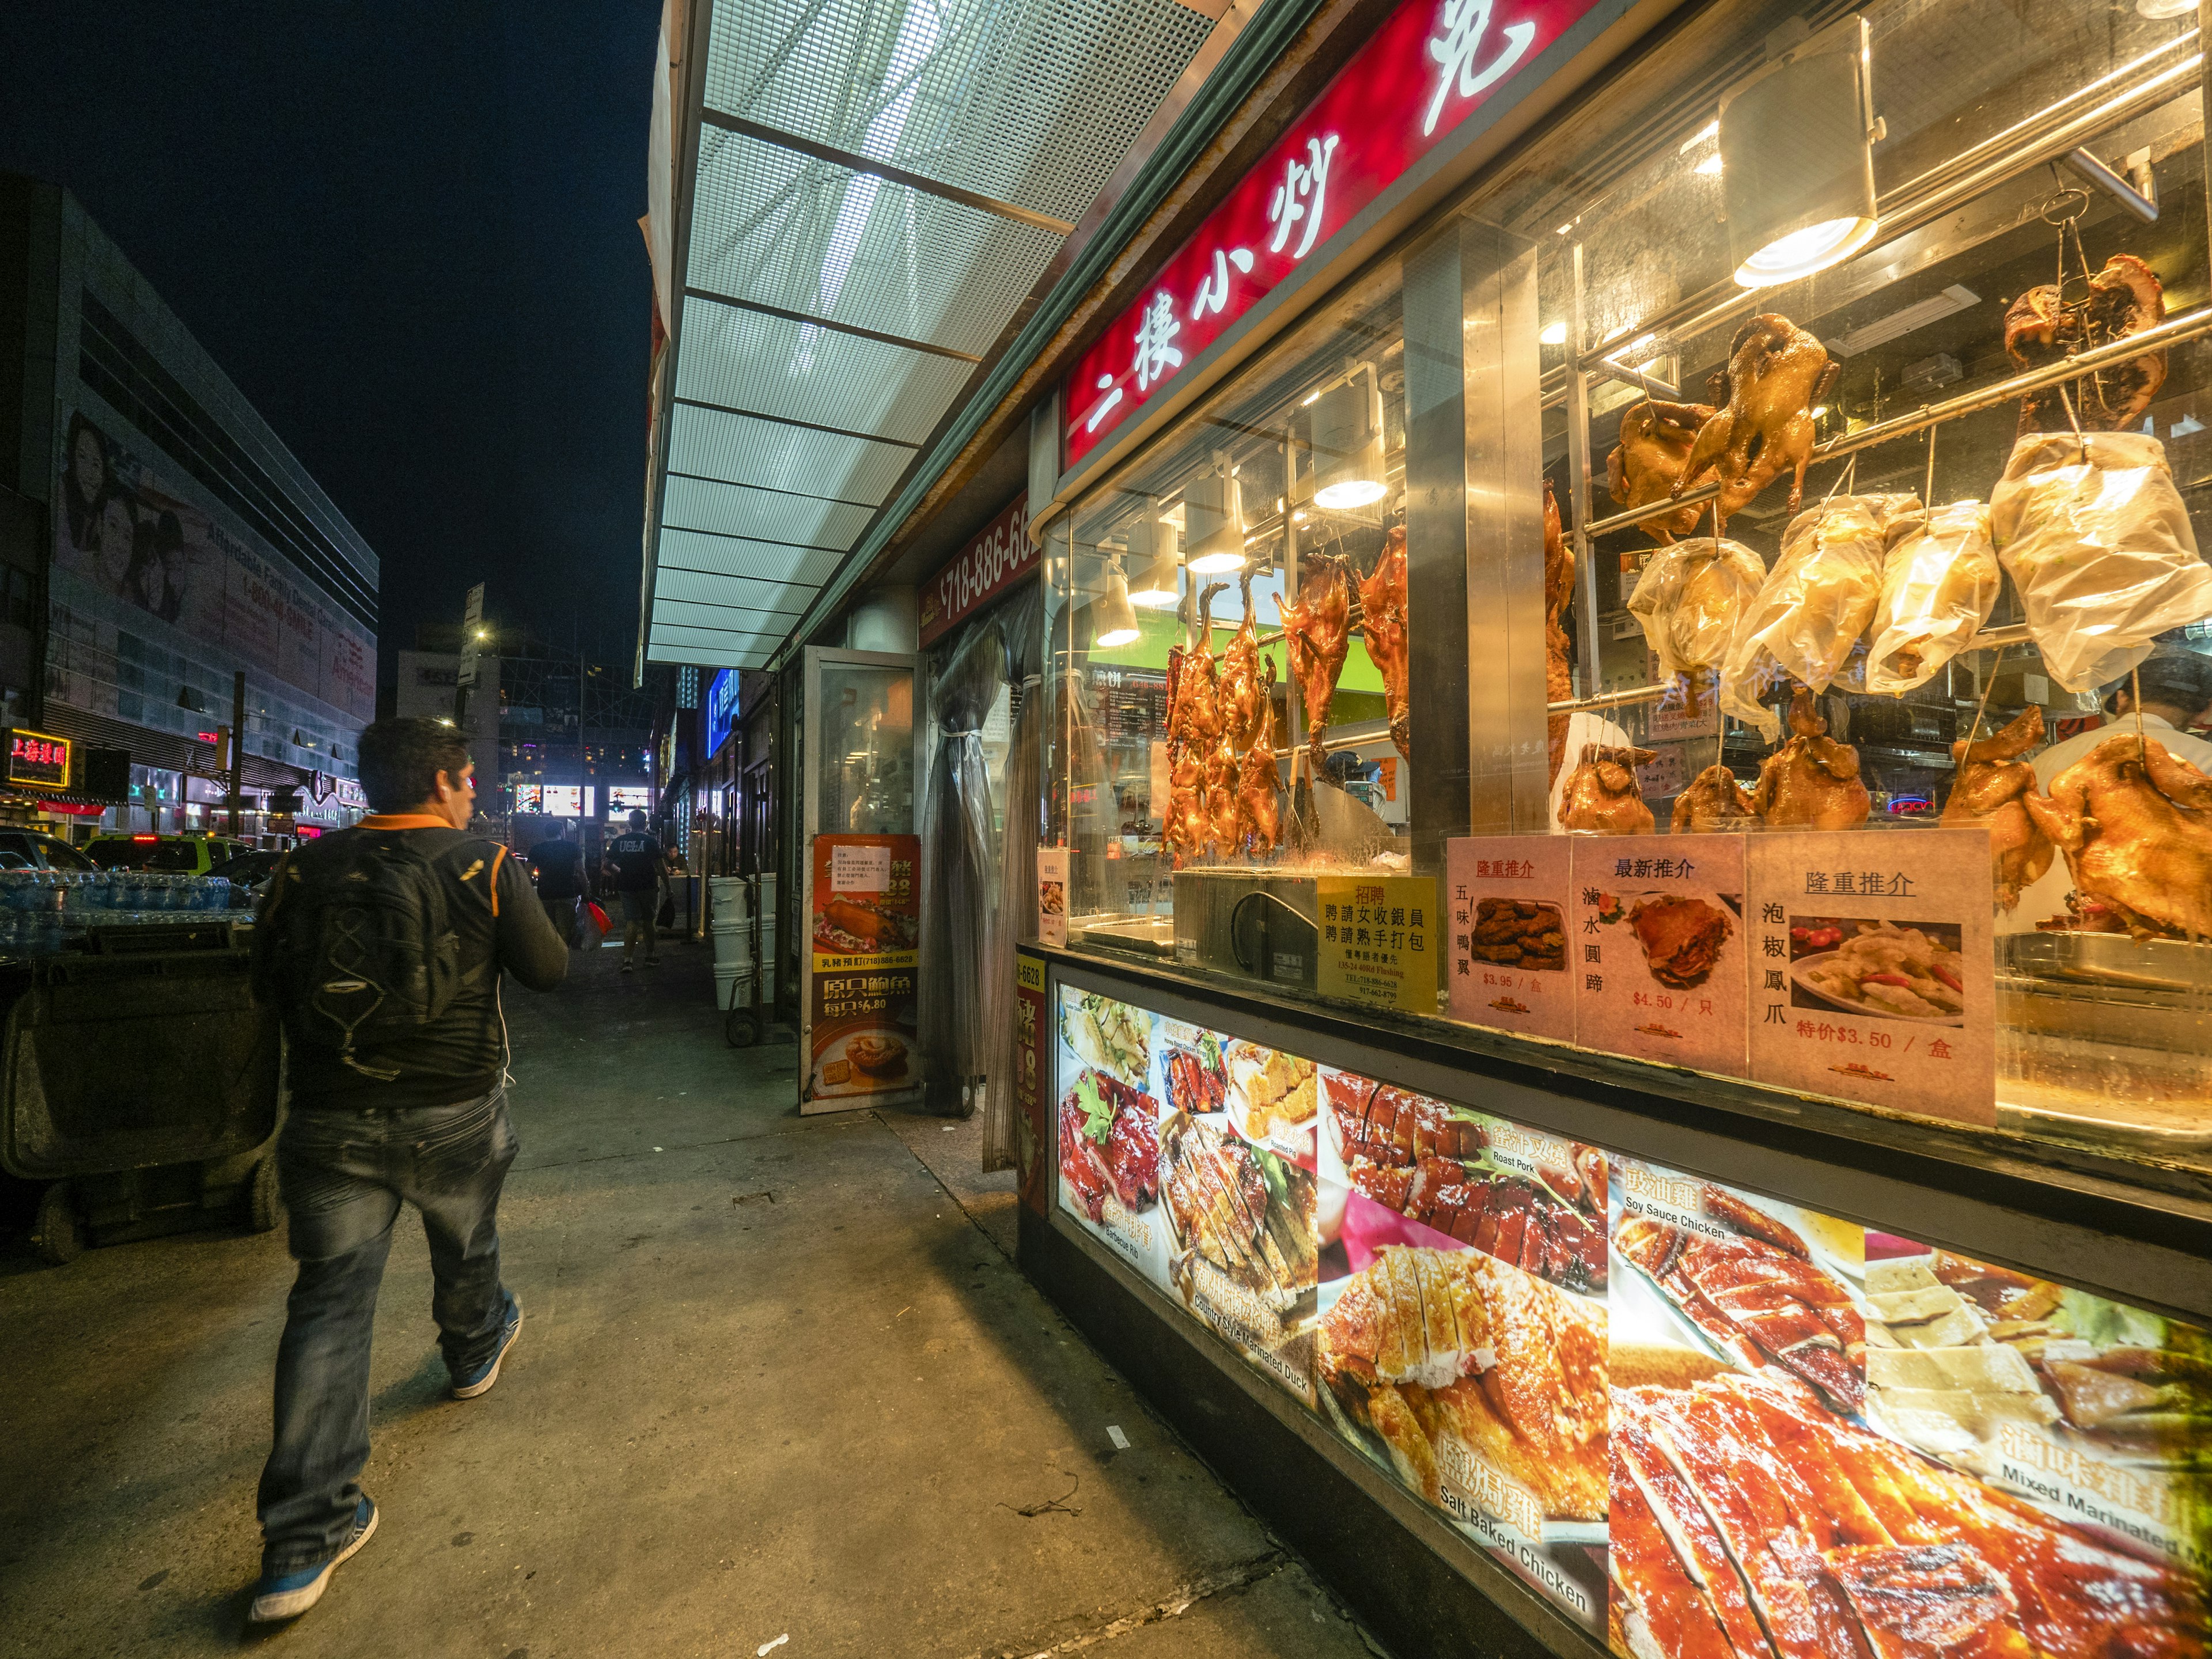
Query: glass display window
x=1734 y=577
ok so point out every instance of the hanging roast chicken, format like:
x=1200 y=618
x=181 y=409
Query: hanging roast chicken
x=1776 y=373
x=1317 y=631
x=1558 y=592
x=1647 y=465
x=2124 y=298
x=2135 y=824
x=1259 y=781
x=1382 y=623
x=1602 y=796
x=1812 y=781
x=1993 y=787
x=1714 y=800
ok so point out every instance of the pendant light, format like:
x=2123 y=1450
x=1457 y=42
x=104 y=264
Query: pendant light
x=1213 y=521
x=1152 y=551
x=1347 y=443
x=1112 y=622
x=1797 y=158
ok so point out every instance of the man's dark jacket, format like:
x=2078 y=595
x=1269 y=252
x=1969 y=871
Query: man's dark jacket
x=461 y=1053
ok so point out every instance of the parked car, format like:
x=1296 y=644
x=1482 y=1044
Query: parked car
x=186 y=855
x=28 y=849
x=247 y=874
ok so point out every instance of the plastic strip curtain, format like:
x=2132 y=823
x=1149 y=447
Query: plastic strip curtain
x=957 y=868
x=1014 y=917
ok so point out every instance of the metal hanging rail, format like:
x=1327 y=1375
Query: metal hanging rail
x=2174 y=331
x=2044 y=136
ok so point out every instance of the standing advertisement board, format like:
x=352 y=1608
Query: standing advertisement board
x=864 y=932
x=860 y=962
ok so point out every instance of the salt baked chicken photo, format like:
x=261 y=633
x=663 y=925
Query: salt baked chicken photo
x=1602 y=796
x=1812 y=781
x=2134 y=822
x=1776 y=373
x=1992 y=789
x=1449 y=1356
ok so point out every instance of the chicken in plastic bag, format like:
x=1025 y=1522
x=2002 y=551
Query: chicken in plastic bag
x=1939 y=584
x=1815 y=604
x=1689 y=599
x=2094 y=535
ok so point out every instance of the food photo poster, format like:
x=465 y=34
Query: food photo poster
x=1698 y=1418
x=864 y=924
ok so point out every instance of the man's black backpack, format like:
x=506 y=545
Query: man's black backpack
x=366 y=954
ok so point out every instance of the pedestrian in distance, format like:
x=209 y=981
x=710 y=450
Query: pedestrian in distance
x=638 y=868
x=563 y=883
x=380 y=950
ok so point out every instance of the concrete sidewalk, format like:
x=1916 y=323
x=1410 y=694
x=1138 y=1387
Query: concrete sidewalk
x=777 y=1379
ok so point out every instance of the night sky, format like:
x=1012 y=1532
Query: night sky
x=408 y=231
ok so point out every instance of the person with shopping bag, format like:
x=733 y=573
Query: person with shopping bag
x=563 y=883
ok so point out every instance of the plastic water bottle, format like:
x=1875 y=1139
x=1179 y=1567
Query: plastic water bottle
x=218 y=893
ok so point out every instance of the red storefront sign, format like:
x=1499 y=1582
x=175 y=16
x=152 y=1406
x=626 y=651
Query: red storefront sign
x=1429 y=68
x=1000 y=556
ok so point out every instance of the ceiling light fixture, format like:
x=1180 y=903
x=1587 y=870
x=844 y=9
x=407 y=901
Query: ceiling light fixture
x=1711 y=130
x=1347 y=443
x=1112 y=622
x=1152 y=549
x=1798 y=137
x=1553 y=334
x=1710 y=165
x=1213 y=521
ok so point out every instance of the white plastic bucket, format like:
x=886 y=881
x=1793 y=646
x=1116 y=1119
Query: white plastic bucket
x=732 y=944
x=733 y=985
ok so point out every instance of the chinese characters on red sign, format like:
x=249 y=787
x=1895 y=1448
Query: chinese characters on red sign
x=34 y=757
x=1430 y=66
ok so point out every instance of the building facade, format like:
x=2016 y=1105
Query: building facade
x=428 y=683
x=159 y=542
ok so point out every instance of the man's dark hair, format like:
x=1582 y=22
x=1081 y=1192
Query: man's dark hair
x=400 y=760
x=636 y=819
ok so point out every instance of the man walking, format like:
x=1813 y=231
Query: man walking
x=382 y=947
x=640 y=867
x=562 y=882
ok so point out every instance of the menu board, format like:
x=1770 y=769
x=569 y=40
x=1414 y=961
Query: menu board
x=1874 y=975
x=1701 y=1421
x=1510 y=949
x=1658 y=948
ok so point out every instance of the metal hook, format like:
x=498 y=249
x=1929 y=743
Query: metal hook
x=2050 y=213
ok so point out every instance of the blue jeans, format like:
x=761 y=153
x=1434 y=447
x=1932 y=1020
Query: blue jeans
x=343 y=1173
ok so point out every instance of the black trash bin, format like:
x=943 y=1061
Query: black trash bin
x=141 y=1090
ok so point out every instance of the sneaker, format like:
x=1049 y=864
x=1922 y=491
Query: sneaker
x=288 y=1595
x=628 y=967
x=479 y=1380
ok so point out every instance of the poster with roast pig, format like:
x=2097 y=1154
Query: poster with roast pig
x=1827 y=1441
x=1658 y=950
